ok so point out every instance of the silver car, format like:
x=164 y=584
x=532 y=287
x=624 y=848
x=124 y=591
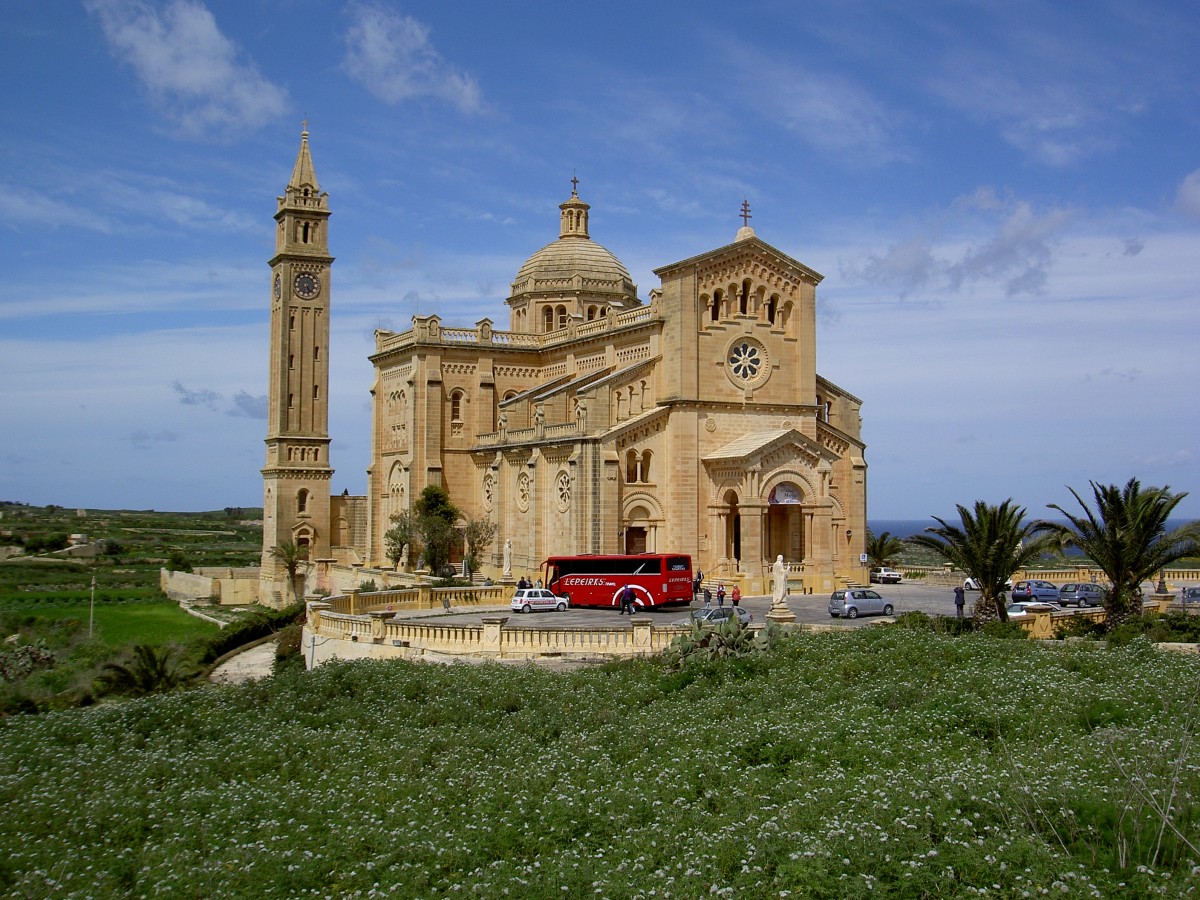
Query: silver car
x=1082 y=593
x=718 y=615
x=1035 y=590
x=850 y=603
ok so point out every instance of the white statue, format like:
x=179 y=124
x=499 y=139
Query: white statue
x=404 y=558
x=508 y=558
x=779 y=581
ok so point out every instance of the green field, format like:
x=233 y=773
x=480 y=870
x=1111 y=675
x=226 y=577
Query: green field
x=882 y=762
x=45 y=598
x=120 y=624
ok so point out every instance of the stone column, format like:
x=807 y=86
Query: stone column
x=492 y=628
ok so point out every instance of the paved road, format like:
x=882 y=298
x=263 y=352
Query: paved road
x=257 y=662
x=808 y=609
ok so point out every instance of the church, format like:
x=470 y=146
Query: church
x=594 y=420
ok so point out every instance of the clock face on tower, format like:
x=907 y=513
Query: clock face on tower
x=307 y=286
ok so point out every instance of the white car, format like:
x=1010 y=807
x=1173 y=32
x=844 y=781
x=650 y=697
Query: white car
x=530 y=599
x=1027 y=607
x=885 y=575
x=971 y=584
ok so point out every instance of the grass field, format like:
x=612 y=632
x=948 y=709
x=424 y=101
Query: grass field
x=884 y=762
x=120 y=624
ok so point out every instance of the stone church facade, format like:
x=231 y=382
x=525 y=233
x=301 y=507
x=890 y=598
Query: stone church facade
x=692 y=422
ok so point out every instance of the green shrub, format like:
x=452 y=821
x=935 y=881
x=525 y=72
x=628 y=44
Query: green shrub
x=259 y=624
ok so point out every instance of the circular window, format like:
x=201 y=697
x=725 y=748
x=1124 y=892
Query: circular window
x=746 y=362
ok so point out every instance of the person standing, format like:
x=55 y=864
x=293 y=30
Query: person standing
x=959 y=600
x=736 y=596
x=626 y=601
x=721 y=594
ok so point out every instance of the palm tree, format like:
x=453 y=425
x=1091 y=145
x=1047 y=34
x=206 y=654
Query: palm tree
x=883 y=549
x=1126 y=537
x=990 y=546
x=149 y=671
x=290 y=556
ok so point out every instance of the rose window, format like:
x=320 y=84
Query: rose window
x=564 y=491
x=745 y=361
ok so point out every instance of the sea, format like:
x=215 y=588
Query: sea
x=902 y=528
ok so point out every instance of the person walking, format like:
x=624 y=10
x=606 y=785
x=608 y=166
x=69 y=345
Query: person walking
x=626 y=601
x=721 y=594
x=736 y=596
x=707 y=597
x=959 y=600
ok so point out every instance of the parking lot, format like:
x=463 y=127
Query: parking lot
x=810 y=609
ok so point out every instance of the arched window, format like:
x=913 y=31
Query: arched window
x=456 y=399
x=591 y=313
x=631 y=467
x=562 y=317
x=548 y=318
x=302 y=501
x=744 y=298
x=772 y=308
x=646 y=466
x=716 y=305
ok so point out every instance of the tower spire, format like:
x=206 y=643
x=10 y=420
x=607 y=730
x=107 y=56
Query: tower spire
x=303 y=173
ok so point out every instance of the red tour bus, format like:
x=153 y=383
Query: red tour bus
x=657 y=579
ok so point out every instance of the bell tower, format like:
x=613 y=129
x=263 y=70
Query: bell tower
x=296 y=478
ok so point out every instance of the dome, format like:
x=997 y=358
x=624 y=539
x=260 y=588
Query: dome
x=556 y=266
x=575 y=263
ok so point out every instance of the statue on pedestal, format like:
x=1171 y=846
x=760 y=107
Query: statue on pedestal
x=779 y=591
x=508 y=558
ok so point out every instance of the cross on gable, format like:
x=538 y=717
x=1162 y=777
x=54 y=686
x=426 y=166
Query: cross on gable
x=746 y=217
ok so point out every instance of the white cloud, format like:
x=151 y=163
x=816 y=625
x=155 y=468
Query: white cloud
x=1006 y=242
x=832 y=114
x=195 y=73
x=1187 y=197
x=20 y=206
x=391 y=55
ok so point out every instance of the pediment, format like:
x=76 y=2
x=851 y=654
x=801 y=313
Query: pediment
x=749 y=255
x=766 y=448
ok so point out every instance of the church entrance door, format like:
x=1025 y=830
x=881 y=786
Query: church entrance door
x=785 y=523
x=635 y=540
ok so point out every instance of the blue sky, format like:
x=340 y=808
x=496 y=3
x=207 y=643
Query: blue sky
x=1004 y=200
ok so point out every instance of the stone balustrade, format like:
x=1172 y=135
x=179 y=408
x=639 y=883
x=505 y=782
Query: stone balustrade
x=423 y=596
x=429 y=329
x=378 y=635
x=1059 y=576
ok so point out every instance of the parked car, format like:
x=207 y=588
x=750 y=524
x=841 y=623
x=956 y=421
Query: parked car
x=1035 y=590
x=1082 y=593
x=718 y=615
x=1025 y=607
x=971 y=584
x=853 y=601
x=884 y=575
x=530 y=599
